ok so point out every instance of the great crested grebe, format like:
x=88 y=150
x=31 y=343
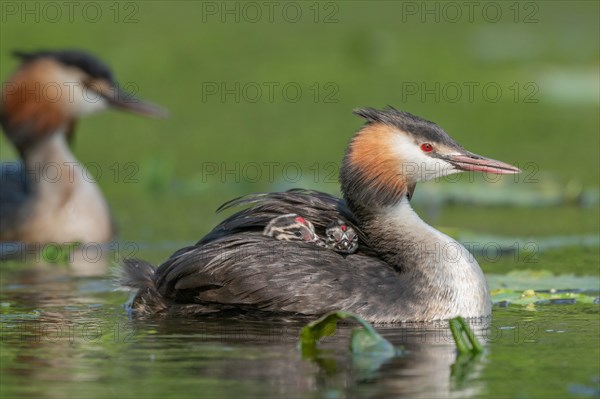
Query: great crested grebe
x=40 y=105
x=403 y=269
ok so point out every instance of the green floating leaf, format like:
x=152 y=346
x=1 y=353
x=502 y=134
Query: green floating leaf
x=541 y=280
x=465 y=339
x=365 y=340
x=531 y=297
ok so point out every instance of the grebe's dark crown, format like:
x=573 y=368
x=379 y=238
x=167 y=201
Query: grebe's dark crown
x=88 y=63
x=418 y=127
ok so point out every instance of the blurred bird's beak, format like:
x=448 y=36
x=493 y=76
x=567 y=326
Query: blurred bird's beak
x=119 y=99
x=127 y=102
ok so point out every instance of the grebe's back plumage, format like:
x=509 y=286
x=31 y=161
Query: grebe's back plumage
x=400 y=271
x=317 y=207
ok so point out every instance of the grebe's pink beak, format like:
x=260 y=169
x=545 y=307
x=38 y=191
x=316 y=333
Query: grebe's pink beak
x=469 y=161
x=119 y=99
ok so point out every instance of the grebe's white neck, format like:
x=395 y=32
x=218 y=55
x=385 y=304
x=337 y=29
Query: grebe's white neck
x=440 y=275
x=66 y=204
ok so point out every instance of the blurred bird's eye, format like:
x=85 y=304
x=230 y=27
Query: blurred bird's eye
x=426 y=147
x=298 y=233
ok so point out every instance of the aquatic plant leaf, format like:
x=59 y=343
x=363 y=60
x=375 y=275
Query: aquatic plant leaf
x=468 y=347
x=465 y=339
x=531 y=297
x=364 y=340
x=542 y=280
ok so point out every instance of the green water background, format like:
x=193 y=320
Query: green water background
x=164 y=179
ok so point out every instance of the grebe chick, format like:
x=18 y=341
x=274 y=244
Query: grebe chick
x=291 y=227
x=340 y=237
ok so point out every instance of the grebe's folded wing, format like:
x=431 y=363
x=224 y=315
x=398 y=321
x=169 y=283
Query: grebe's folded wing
x=251 y=271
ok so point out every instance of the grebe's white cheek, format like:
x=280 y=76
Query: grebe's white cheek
x=416 y=164
x=74 y=96
x=87 y=101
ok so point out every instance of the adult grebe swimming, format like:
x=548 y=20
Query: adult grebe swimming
x=48 y=197
x=403 y=269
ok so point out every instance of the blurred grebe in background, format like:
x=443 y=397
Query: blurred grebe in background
x=41 y=103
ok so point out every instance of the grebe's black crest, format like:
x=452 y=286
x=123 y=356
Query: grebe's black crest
x=409 y=123
x=88 y=63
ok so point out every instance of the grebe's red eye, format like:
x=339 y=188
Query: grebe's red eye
x=426 y=147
